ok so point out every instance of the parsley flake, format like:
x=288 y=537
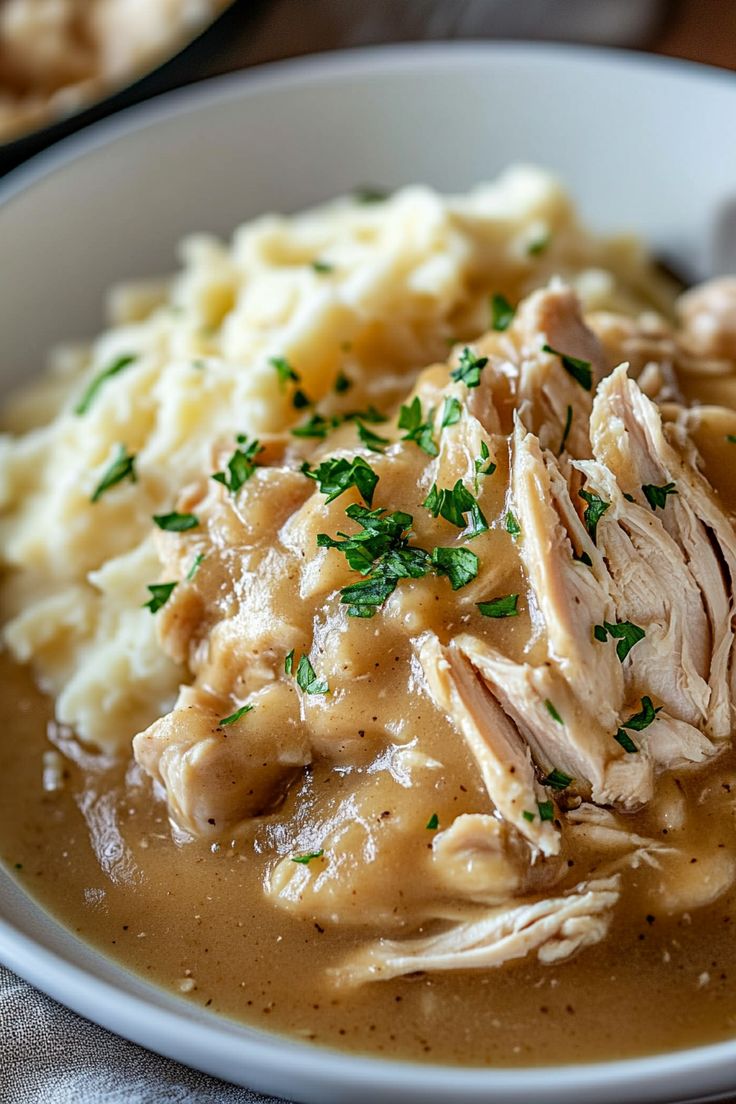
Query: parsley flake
x=539 y=245
x=657 y=496
x=307 y=857
x=284 y=370
x=235 y=716
x=342 y=383
x=469 y=368
x=502 y=313
x=500 y=607
x=460 y=565
x=433 y=823
x=546 y=810
x=580 y=370
x=418 y=430
x=552 y=711
x=646 y=716
x=322 y=267
x=289 y=663
x=731 y=438
x=483 y=464
x=371 y=440
x=453 y=504
x=240 y=466
x=176 y=523
x=593 y=512
x=625 y=741
x=160 y=594
x=368 y=193
x=512 y=525
x=557 y=780
x=317 y=426
x=336 y=476
x=122 y=467
x=112 y=369
x=306 y=678
x=195 y=566
x=451 y=412
x=566 y=431
x=528 y=816
x=625 y=632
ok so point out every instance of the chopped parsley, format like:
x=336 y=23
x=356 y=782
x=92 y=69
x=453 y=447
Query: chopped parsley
x=557 y=780
x=289 y=663
x=453 y=504
x=176 y=523
x=625 y=741
x=731 y=438
x=284 y=370
x=122 y=467
x=433 y=823
x=195 y=566
x=469 y=368
x=593 y=512
x=317 y=426
x=583 y=558
x=235 y=716
x=580 y=370
x=451 y=412
x=528 y=816
x=300 y=400
x=539 y=244
x=307 y=857
x=566 y=431
x=460 y=565
x=483 y=465
x=552 y=711
x=342 y=383
x=335 y=476
x=112 y=369
x=322 y=267
x=418 y=429
x=625 y=632
x=502 y=313
x=512 y=525
x=657 y=496
x=646 y=716
x=160 y=594
x=546 y=809
x=306 y=678
x=240 y=466
x=368 y=193
x=500 y=607
x=371 y=440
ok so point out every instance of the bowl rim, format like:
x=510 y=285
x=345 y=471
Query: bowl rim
x=207 y=1041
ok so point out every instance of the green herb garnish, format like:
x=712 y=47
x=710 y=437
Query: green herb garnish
x=593 y=512
x=289 y=663
x=469 y=368
x=528 y=816
x=284 y=370
x=546 y=809
x=580 y=370
x=307 y=680
x=235 y=716
x=240 y=466
x=557 y=780
x=418 y=430
x=512 y=525
x=322 y=267
x=538 y=245
x=112 y=369
x=307 y=858
x=657 y=496
x=552 y=711
x=500 y=607
x=368 y=193
x=335 y=476
x=502 y=313
x=433 y=823
x=625 y=632
x=453 y=504
x=639 y=721
x=195 y=566
x=342 y=383
x=460 y=565
x=483 y=465
x=122 y=467
x=176 y=523
x=371 y=440
x=160 y=594
x=625 y=741
x=451 y=412
x=566 y=431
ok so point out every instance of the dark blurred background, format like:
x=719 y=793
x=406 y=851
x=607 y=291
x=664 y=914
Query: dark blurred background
x=250 y=32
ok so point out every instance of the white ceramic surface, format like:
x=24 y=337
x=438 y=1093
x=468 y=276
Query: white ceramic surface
x=643 y=144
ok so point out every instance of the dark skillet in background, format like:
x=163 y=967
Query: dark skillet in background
x=200 y=57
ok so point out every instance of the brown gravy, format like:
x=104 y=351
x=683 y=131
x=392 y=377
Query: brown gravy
x=195 y=920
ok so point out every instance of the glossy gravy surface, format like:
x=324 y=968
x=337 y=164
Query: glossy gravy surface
x=100 y=857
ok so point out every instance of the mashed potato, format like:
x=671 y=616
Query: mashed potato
x=56 y=54
x=363 y=291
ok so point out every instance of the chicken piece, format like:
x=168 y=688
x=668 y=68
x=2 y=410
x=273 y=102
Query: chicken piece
x=629 y=439
x=599 y=830
x=502 y=757
x=707 y=315
x=562 y=734
x=216 y=775
x=569 y=597
x=653 y=588
x=555 y=928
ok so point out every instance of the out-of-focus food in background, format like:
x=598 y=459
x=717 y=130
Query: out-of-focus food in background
x=58 y=55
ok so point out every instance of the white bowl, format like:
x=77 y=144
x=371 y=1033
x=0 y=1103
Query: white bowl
x=643 y=144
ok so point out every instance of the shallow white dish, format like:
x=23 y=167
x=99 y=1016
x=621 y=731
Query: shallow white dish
x=643 y=144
